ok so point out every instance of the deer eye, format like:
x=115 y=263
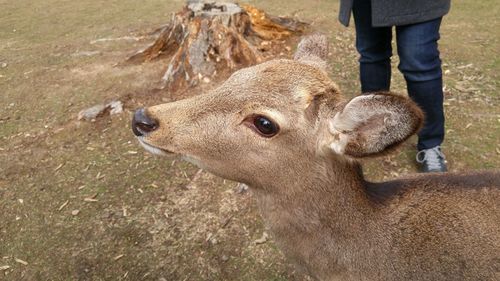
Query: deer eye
x=264 y=126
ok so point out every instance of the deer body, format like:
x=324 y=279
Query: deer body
x=381 y=236
x=283 y=128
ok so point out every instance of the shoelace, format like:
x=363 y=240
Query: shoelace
x=433 y=157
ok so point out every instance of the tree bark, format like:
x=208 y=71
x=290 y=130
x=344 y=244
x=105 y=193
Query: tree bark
x=206 y=39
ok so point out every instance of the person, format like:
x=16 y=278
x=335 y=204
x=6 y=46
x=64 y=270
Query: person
x=417 y=25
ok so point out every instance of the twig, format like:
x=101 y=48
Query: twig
x=63 y=205
x=59 y=167
x=21 y=261
x=124 y=38
x=91 y=198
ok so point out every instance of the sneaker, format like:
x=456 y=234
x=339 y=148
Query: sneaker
x=431 y=160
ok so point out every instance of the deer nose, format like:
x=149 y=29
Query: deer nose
x=142 y=124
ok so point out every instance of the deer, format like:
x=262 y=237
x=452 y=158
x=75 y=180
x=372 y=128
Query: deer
x=283 y=128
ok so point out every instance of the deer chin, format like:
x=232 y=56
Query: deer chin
x=164 y=152
x=154 y=149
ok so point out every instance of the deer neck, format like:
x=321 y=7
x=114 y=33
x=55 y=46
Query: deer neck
x=326 y=192
x=320 y=216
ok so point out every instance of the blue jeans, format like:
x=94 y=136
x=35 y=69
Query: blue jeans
x=419 y=62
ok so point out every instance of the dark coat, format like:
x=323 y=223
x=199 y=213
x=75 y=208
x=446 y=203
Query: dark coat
x=398 y=12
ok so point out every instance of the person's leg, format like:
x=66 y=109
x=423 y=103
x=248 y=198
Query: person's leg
x=421 y=67
x=374 y=47
x=429 y=96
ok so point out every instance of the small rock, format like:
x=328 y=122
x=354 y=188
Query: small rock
x=241 y=188
x=213 y=241
x=3 y=65
x=75 y=212
x=224 y=258
x=89 y=114
x=116 y=107
x=92 y=112
x=206 y=80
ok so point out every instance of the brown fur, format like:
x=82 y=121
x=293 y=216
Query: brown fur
x=310 y=190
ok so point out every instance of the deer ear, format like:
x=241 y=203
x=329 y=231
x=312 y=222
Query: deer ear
x=313 y=50
x=371 y=124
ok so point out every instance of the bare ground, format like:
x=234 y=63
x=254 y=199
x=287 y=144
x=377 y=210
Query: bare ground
x=146 y=218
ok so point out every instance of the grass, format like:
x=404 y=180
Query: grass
x=146 y=225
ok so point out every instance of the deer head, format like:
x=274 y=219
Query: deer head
x=277 y=118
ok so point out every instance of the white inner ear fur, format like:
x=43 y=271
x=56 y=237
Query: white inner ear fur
x=357 y=111
x=340 y=140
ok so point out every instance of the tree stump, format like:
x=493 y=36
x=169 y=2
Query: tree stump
x=206 y=39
